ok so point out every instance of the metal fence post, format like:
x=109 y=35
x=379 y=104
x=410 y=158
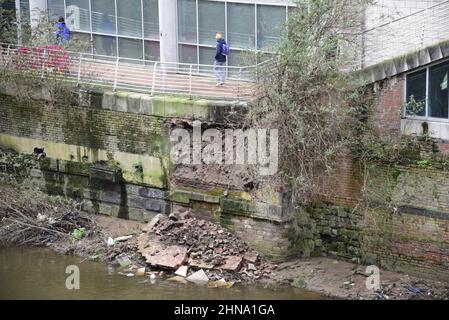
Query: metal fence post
x=43 y=63
x=79 y=70
x=154 y=78
x=190 y=82
x=115 y=74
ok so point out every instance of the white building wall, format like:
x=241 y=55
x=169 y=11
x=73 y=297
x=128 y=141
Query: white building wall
x=398 y=27
x=387 y=10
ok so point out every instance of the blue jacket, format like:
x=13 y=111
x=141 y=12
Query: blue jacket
x=63 y=33
x=219 y=56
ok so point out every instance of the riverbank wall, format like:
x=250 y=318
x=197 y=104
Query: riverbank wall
x=112 y=152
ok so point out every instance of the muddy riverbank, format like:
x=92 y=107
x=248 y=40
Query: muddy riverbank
x=328 y=277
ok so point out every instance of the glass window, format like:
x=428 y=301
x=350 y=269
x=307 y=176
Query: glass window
x=130 y=48
x=210 y=21
x=241 y=27
x=416 y=87
x=152 y=50
x=188 y=54
x=129 y=18
x=55 y=9
x=438 y=96
x=25 y=21
x=207 y=55
x=151 y=19
x=105 y=45
x=77 y=15
x=103 y=16
x=270 y=20
x=187 y=21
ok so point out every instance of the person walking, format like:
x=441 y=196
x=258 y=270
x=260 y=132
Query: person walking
x=63 y=33
x=220 y=59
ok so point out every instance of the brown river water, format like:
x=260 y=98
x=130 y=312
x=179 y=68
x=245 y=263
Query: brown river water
x=40 y=274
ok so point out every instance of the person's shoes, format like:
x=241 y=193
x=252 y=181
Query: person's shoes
x=218 y=84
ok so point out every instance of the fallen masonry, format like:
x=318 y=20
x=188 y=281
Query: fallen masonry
x=189 y=245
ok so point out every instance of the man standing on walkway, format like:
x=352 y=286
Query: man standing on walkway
x=220 y=59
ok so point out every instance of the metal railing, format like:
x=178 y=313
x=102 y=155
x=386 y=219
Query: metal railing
x=407 y=34
x=152 y=77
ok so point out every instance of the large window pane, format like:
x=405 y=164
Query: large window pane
x=207 y=55
x=152 y=50
x=77 y=15
x=105 y=45
x=187 y=21
x=151 y=19
x=188 y=54
x=55 y=9
x=438 y=96
x=241 y=27
x=129 y=18
x=416 y=88
x=130 y=48
x=210 y=21
x=103 y=16
x=25 y=21
x=270 y=19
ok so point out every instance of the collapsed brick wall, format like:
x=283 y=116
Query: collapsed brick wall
x=130 y=131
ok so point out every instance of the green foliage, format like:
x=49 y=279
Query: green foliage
x=307 y=97
x=423 y=164
x=8 y=25
x=25 y=74
x=414 y=107
x=371 y=145
x=79 y=233
x=15 y=163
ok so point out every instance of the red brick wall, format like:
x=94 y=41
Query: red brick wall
x=387 y=105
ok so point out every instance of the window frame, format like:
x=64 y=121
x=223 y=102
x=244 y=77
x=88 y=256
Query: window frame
x=92 y=33
x=255 y=5
x=427 y=98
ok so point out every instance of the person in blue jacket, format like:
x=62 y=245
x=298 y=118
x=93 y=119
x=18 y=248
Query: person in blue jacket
x=63 y=33
x=220 y=60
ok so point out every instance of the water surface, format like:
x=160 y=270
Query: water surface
x=40 y=274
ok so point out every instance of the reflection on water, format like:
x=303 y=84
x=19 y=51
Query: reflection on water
x=40 y=274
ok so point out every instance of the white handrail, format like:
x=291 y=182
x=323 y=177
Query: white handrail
x=192 y=80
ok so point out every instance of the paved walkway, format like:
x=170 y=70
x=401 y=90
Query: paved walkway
x=186 y=80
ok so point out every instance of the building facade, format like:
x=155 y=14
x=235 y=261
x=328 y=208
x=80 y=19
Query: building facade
x=166 y=30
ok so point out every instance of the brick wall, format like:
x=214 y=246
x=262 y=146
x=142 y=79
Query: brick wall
x=402 y=223
x=83 y=126
x=387 y=104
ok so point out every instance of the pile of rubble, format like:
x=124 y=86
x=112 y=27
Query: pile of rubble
x=183 y=241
